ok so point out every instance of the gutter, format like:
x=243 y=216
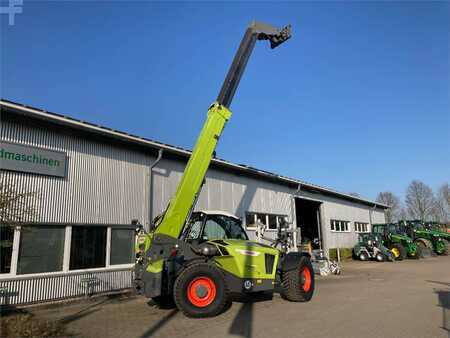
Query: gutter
x=150 y=200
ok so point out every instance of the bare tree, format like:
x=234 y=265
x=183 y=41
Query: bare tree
x=393 y=202
x=419 y=201
x=441 y=211
x=444 y=193
x=15 y=206
x=403 y=214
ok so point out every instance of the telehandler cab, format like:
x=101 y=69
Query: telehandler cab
x=196 y=259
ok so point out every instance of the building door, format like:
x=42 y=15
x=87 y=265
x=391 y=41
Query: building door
x=308 y=220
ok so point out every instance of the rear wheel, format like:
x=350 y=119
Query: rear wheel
x=398 y=251
x=442 y=247
x=298 y=284
x=201 y=291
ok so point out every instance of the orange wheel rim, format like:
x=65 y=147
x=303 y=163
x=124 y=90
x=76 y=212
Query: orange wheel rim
x=201 y=291
x=306 y=279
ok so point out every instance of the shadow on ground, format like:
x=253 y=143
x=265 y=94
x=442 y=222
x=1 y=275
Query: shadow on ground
x=444 y=302
x=242 y=324
x=159 y=324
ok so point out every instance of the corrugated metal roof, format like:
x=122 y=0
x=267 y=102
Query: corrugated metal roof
x=94 y=128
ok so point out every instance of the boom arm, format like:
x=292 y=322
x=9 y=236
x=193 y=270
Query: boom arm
x=183 y=202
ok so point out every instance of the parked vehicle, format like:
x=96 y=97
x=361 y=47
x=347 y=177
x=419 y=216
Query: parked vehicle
x=425 y=237
x=370 y=246
x=401 y=245
x=197 y=259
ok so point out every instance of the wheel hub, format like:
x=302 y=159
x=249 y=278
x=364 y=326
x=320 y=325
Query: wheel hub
x=395 y=252
x=305 y=279
x=201 y=291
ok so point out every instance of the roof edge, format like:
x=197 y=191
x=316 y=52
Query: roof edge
x=70 y=121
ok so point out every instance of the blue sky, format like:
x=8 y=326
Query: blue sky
x=358 y=100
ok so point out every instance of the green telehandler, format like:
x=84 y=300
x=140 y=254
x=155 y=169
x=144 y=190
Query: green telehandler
x=399 y=243
x=197 y=259
x=425 y=237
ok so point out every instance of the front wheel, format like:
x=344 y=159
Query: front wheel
x=379 y=257
x=201 y=291
x=298 y=284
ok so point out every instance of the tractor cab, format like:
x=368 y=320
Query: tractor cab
x=213 y=225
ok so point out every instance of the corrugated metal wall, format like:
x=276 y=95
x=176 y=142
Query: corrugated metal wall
x=104 y=183
x=59 y=286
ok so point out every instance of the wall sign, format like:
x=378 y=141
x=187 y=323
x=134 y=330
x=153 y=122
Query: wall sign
x=29 y=159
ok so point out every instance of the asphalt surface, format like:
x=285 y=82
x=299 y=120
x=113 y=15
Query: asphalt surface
x=401 y=299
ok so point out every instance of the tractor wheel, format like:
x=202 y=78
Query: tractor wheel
x=424 y=243
x=442 y=247
x=201 y=291
x=398 y=251
x=297 y=285
x=380 y=257
x=363 y=256
x=417 y=254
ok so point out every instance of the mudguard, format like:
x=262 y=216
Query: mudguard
x=291 y=260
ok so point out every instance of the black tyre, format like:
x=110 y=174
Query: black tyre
x=379 y=257
x=363 y=256
x=398 y=251
x=418 y=253
x=201 y=291
x=297 y=285
x=442 y=247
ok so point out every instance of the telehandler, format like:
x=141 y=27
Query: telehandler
x=197 y=259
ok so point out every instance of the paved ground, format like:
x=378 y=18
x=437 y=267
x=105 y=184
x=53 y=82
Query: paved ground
x=402 y=299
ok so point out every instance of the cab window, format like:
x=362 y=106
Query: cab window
x=223 y=227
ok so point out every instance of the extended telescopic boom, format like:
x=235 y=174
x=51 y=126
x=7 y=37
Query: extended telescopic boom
x=183 y=202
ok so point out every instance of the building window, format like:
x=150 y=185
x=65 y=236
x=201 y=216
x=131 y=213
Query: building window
x=262 y=218
x=250 y=219
x=339 y=226
x=41 y=249
x=271 y=221
x=361 y=227
x=122 y=246
x=88 y=247
x=6 y=246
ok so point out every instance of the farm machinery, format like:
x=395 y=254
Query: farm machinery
x=425 y=237
x=197 y=259
x=399 y=243
x=370 y=247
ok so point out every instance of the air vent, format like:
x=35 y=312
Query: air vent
x=269 y=260
x=223 y=251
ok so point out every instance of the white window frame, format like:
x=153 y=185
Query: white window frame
x=347 y=223
x=359 y=227
x=66 y=258
x=256 y=213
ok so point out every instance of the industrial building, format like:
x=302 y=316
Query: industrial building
x=88 y=183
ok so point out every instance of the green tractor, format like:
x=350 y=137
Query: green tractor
x=370 y=247
x=439 y=228
x=197 y=259
x=425 y=237
x=399 y=243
